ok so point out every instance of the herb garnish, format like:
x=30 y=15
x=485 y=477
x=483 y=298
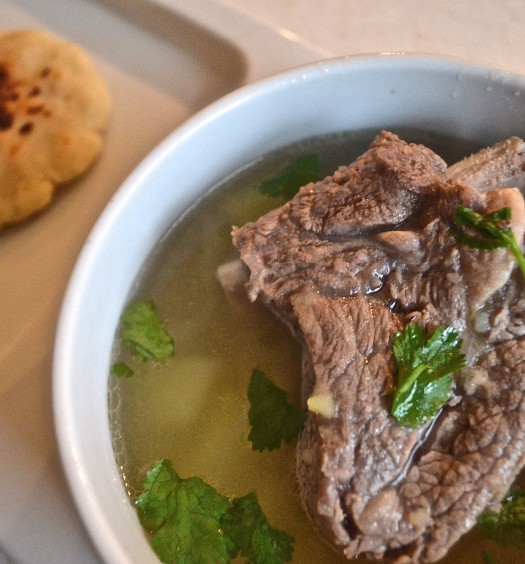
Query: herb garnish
x=252 y=535
x=506 y=528
x=424 y=367
x=185 y=516
x=492 y=231
x=272 y=418
x=193 y=524
x=143 y=333
x=122 y=370
x=298 y=173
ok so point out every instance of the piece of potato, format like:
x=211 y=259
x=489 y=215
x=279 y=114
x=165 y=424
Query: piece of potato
x=54 y=107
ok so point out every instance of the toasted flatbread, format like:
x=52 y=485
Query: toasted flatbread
x=54 y=107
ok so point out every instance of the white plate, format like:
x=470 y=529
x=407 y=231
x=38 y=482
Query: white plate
x=444 y=95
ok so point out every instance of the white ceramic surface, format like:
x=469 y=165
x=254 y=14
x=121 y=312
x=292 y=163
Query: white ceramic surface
x=444 y=95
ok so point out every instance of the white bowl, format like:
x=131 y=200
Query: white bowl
x=480 y=103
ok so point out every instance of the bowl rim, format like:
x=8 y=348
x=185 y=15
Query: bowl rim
x=71 y=450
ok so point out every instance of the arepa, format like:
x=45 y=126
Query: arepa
x=54 y=107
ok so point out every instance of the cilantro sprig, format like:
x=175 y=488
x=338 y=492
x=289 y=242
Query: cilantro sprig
x=184 y=516
x=424 y=366
x=122 y=370
x=252 y=535
x=191 y=523
x=298 y=173
x=272 y=418
x=143 y=332
x=490 y=231
x=506 y=528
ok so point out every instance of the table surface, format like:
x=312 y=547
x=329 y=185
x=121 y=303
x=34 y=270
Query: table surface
x=482 y=29
x=38 y=520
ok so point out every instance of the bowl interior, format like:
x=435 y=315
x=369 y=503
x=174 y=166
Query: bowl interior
x=479 y=103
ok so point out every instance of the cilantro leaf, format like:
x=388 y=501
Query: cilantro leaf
x=121 y=369
x=143 y=333
x=252 y=535
x=424 y=365
x=298 y=173
x=193 y=524
x=491 y=231
x=272 y=418
x=506 y=528
x=185 y=517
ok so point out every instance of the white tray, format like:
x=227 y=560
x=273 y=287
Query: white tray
x=163 y=61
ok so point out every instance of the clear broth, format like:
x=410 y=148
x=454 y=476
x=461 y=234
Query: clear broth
x=193 y=409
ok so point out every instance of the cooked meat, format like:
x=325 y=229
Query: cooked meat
x=502 y=165
x=347 y=263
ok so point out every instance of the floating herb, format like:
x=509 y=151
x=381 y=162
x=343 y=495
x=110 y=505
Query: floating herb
x=506 y=528
x=143 y=333
x=272 y=418
x=191 y=523
x=298 y=173
x=122 y=370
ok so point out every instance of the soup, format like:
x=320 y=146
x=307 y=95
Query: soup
x=193 y=408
